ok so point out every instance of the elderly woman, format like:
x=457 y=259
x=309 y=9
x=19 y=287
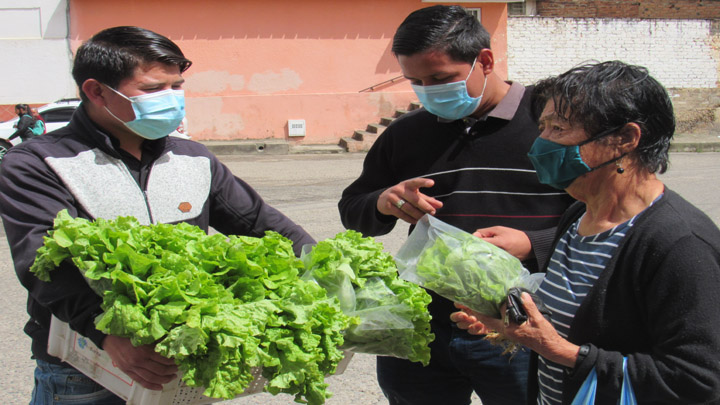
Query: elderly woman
x=635 y=270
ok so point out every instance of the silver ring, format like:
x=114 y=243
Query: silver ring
x=400 y=203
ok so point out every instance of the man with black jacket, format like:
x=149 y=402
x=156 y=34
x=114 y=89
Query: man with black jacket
x=115 y=159
x=462 y=158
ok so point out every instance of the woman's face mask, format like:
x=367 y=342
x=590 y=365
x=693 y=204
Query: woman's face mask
x=449 y=100
x=558 y=165
x=156 y=114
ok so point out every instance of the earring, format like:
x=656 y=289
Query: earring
x=619 y=169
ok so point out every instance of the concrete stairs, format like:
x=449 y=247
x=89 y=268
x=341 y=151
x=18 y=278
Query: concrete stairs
x=362 y=140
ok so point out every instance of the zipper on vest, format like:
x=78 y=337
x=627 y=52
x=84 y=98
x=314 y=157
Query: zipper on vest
x=147 y=205
x=143 y=188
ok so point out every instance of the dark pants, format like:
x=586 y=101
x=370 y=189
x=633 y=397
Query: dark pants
x=460 y=363
x=56 y=384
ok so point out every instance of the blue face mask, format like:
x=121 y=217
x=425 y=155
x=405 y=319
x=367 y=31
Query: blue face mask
x=558 y=165
x=156 y=114
x=450 y=100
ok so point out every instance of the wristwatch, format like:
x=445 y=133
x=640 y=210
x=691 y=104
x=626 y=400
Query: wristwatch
x=582 y=353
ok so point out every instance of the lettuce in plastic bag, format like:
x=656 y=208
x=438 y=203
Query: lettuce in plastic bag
x=394 y=320
x=460 y=266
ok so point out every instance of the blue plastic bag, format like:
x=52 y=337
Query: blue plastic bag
x=627 y=395
x=586 y=394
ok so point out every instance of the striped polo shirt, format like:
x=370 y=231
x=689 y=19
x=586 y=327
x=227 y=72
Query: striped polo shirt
x=574 y=267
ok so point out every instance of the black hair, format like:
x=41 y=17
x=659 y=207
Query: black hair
x=449 y=29
x=600 y=96
x=113 y=54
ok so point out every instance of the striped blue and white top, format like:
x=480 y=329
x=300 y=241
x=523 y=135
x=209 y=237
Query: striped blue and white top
x=574 y=267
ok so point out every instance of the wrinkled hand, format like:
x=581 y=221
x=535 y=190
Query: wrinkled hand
x=416 y=204
x=511 y=240
x=536 y=333
x=142 y=363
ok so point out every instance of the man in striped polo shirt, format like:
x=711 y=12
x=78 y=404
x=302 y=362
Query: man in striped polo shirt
x=462 y=158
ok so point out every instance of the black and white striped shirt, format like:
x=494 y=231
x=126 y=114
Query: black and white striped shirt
x=574 y=267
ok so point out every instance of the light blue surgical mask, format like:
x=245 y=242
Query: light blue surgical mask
x=449 y=100
x=156 y=114
x=558 y=165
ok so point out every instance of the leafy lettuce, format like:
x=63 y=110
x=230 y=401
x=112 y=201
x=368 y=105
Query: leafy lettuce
x=394 y=320
x=466 y=269
x=220 y=306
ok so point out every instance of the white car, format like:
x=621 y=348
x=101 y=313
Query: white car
x=57 y=115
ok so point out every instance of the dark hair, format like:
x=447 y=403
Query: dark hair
x=112 y=55
x=449 y=29
x=23 y=107
x=603 y=96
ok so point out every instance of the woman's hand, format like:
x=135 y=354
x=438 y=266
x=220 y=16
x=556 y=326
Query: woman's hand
x=536 y=333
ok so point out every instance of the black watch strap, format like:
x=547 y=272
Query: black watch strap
x=582 y=353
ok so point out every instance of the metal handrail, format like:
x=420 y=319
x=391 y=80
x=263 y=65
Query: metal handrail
x=381 y=83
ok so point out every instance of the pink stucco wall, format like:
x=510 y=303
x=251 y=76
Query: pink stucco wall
x=258 y=63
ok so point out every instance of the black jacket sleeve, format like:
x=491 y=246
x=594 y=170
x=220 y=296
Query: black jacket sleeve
x=358 y=204
x=541 y=243
x=30 y=198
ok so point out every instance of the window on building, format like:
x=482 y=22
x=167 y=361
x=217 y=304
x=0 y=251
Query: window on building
x=516 y=8
x=476 y=12
x=526 y=7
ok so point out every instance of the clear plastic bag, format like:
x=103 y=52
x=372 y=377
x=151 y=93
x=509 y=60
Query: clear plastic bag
x=389 y=322
x=383 y=320
x=461 y=267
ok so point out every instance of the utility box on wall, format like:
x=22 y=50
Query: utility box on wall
x=296 y=127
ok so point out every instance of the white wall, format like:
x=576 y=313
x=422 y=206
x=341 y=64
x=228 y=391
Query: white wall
x=36 y=60
x=678 y=53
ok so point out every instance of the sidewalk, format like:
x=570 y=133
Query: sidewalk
x=267 y=147
x=696 y=142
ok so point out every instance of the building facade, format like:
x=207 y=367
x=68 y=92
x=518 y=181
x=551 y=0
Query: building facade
x=258 y=66
x=314 y=71
x=677 y=40
x=670 y=9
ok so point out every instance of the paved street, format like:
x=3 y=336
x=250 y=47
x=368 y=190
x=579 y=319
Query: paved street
x=307 y=188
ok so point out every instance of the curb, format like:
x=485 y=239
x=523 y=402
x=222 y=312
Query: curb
x=695 y=147
x=267 y=147
x=281 y=147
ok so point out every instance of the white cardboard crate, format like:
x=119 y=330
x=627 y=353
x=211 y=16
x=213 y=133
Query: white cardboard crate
x=81 y=353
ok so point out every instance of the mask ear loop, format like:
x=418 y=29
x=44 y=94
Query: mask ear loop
x=468 y=76
x=471 y=69
x=119 y=94
x=483 y=90
x=620 y=169
x=115 y=116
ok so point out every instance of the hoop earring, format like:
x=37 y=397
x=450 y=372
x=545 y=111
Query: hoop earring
x=619 y=169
